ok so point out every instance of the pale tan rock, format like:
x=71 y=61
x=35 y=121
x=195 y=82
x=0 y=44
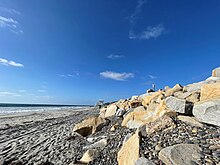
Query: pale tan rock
x=190 y=120
x=89 y=155
x=176 y=88
x=146 y=100
x=129 y=153
x=153 y=106
x=90 y=125
x=111 y=110
x=216 y=72
x=161 y=124
x=136 y=119
x=210 y=91
x=123 y=104
x=194 y=97
x=140 y=108
x=182 y=95
x=102 y=112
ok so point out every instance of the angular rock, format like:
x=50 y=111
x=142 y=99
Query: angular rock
x=161 y=124
x=155 y=96
x=210 y=91
x=140 y=108
x=180 y=154
x=90 y=125
x=190 y=120
x=134 y=98
x=182 y=95
x=129 y=153
x=111 y=110
x=196 y=87
x=120 y=112
x=216 y=79
x=152 y=106
x=194 y=97
x=136 y=119
x=102 y=112
x=89 y=155
x=208 y=111
x=178 y=105
x=144 y=161
x=171 y=91
x=97 y=145
x=216 y=72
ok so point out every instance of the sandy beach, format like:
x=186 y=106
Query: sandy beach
x=39 y=137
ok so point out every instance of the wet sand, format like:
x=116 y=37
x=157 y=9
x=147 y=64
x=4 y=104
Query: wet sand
x=41 y=137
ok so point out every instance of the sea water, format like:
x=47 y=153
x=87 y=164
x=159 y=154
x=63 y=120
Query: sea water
x=15 y=108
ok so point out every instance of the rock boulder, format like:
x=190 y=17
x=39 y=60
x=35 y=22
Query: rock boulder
x=90 y=125
x=129 y=153
x=210 y=91
x=208 y=111
x=180 y=154
x=216 y=72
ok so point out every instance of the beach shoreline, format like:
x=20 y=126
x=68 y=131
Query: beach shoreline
x=37 y=137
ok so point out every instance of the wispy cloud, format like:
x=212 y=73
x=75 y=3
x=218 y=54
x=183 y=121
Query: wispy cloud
x=115 y=56
x=9 y=94
x=116 y=76
x=152 y=76
x=10 y=63
x=74 y=74
x=11 y=11
x=42 y=90
x=150 y=32
x=10 y=22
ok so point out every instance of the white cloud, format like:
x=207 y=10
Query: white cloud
x=115 y=56
x=150 y=32
x=9 y=22
x=152 y=77
x=116 y=76
x=10 y=63
x=9 y=94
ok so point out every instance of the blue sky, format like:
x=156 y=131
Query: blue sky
x=79 y=51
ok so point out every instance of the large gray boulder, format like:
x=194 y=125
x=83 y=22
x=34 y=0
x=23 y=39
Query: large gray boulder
x=178 y=105
x=143 y=161
x=180 y=154
x=208 y=111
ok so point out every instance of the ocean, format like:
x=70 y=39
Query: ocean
x=6 y=108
